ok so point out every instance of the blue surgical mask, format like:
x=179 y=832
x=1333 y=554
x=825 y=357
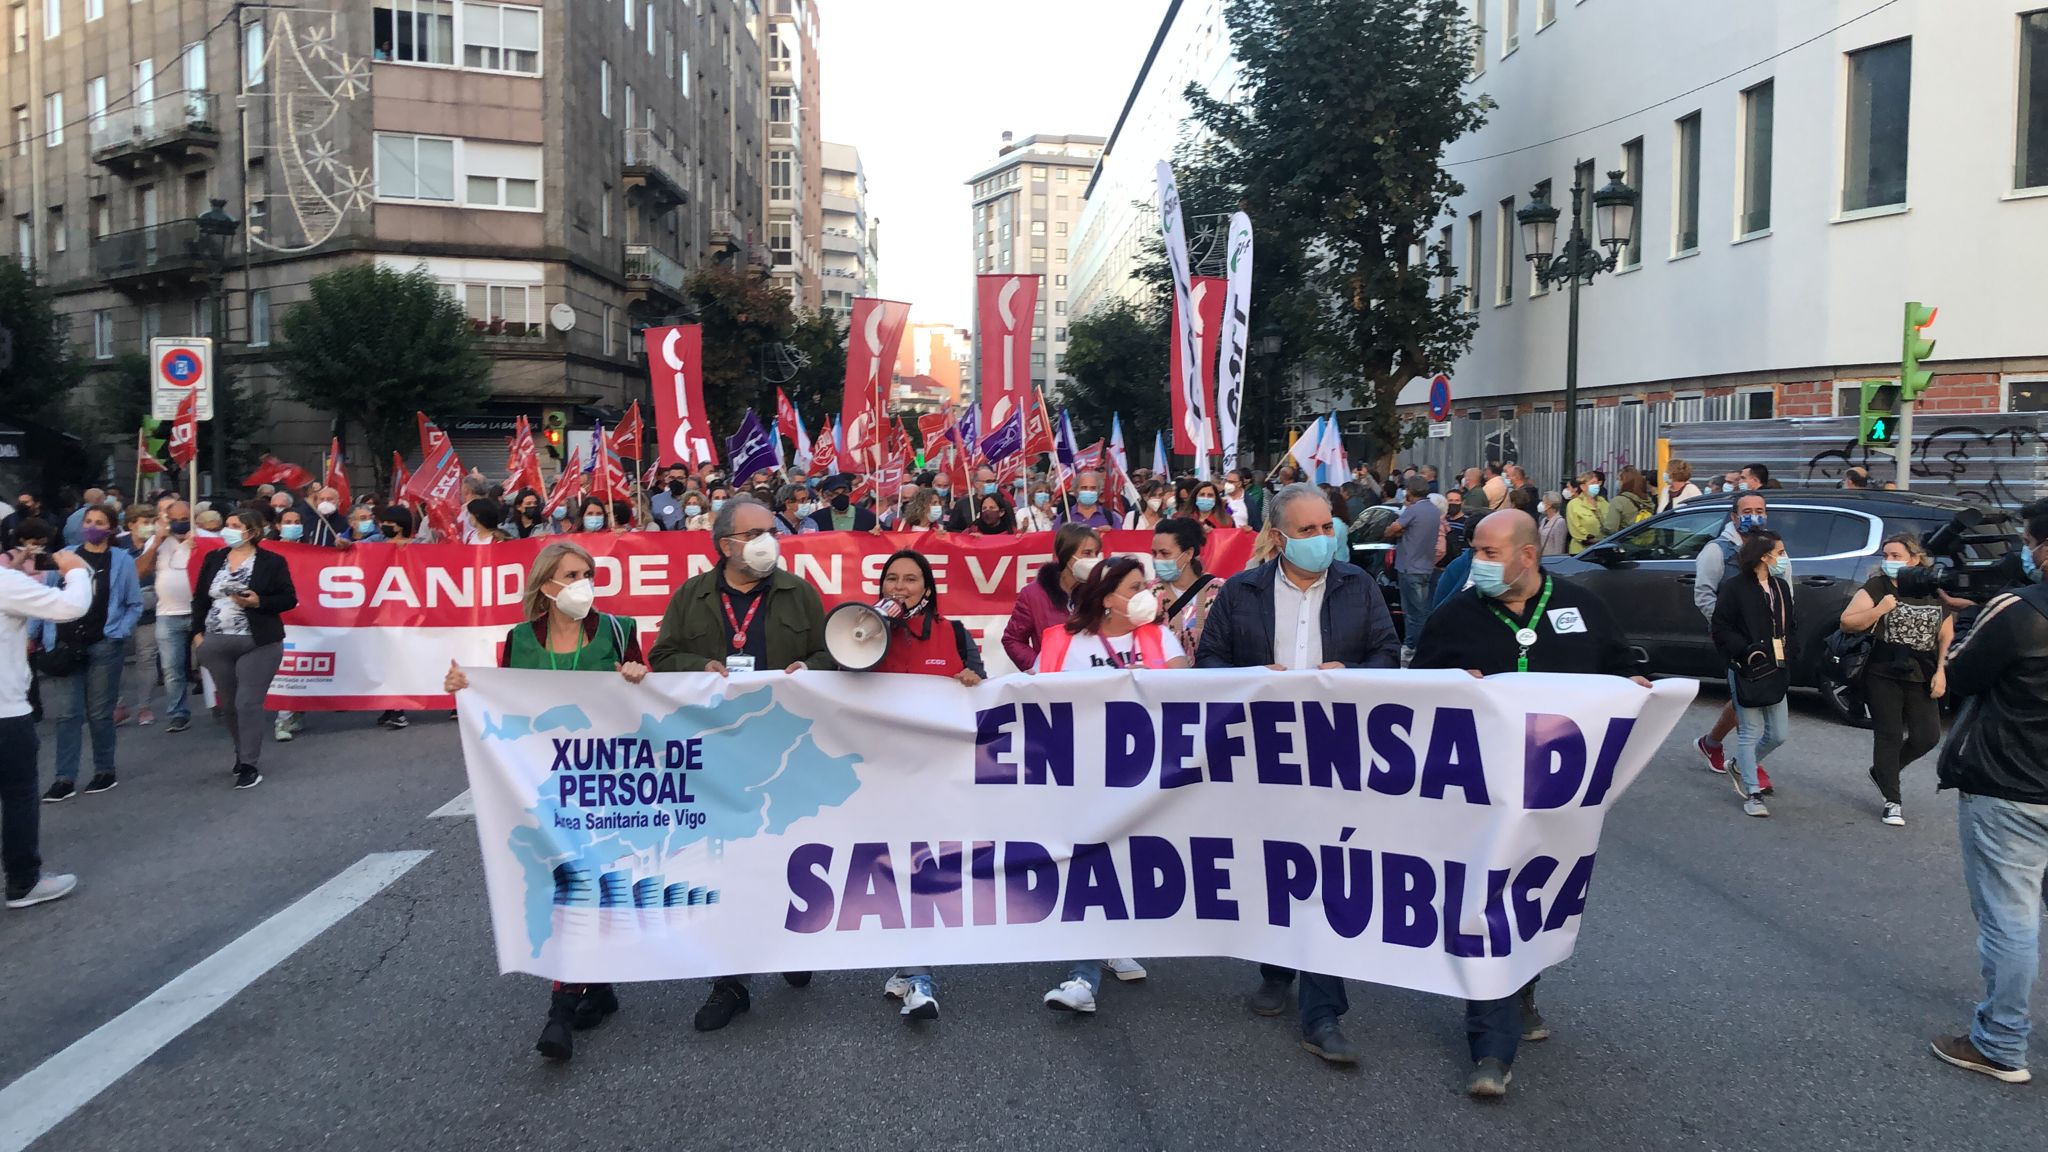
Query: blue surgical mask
x=1041 y=499
x=1781 y=566
x=1312 y=553
x=1205 y=503
x=362 y=528
x=1167 y=570
x=1490 y=577
x=1750 y=521
x=233 y=537
x=1742 y=486
x=1892 y=568
x=593 y=523
x=561 y=512
x=989 y=489
x=2030 y=566
x=291 y=532
x=1088 y=497
x=717 y=503
x=1593 y=490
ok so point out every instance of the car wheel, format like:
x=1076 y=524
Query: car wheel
x=1845 y=703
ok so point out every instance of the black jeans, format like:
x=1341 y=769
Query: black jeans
x=1905 y=724
x=1494 y=1027
x=20 y=811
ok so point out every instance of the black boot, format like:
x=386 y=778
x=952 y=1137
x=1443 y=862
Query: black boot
x=797 y=979
x=556 y=1041
x=728 y=998
x=594 y=1003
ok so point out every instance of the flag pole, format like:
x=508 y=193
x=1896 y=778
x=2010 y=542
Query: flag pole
x=140 y=439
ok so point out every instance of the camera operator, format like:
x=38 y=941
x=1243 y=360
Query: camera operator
x=1995 y=758
x=1912 y=629
x=25 y=596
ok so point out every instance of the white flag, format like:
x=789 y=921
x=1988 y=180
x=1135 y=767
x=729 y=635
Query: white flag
x=1174 y=229
x=1237 y=321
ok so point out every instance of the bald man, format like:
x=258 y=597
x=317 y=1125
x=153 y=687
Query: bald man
x=1517 y=618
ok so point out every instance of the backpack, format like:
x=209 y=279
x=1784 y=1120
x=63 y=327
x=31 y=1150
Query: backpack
x=1643 y=510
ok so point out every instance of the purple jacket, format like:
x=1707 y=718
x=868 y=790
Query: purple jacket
x=1097 y=517
x=1041 y=605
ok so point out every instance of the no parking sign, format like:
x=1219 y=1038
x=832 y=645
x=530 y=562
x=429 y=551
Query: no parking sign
x=177 y=367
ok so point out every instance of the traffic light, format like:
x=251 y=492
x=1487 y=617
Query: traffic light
x=554 y=424
x=1878 y=425
x=1913 y=379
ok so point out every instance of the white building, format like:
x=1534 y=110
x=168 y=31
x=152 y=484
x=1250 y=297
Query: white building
x=846 y=246
x=1804 y=167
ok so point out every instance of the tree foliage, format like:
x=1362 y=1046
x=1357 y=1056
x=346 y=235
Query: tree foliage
x=121 y=395
x=1116 y=364
x=1337 y=140
x=742 y=312
x=43 y=370
x=820 y=384
x=374 y=345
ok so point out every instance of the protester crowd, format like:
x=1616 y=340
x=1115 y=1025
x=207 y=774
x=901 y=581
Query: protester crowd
x=116 y=607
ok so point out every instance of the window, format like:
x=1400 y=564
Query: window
x=24 y=239
x=1060 y=175
x=1546 y=13
x=415 y=168
x=1678 y=537
x=1510 y=22
x=1478 y=37
x=1504 y=254
x=1756 y=159
x=1038 y=227
x=1584 y=176
x=501 y=38
x=1473 y=260
x=1880 y=100
x=1632 y=171
x=504 y=309
x=59 y=243
x=103 y=335
x=53 y=18
x=650 y=29
x=669 y=58
x=683 y=72
x=142 y=83
x=96 y=102
x=1810 y=532
x=1060 y=229
x=152 y=323
x=1059 y=307
x=1038 y=332
x=1059 y=335
x=21 y=130
x=1059 y=255
x=1038 y=201
x=501 y=175
x=629 y=105
x=604 y=88
x=1543 y=193
x=18 y=16
x=202 y=318
x=781 y=241
x=1445 y=281
x=611 y=323
x=1038 y=255
x=1038 y=172
x=781 y=104
x=781 y=174
x=2032 y=165
x=1685 y=235
x=95 y=10
x=604 y=212
x=252 y=49
x=2025 y=395
x=629 y=13
x=194 y=57
x=53 y=120
x=1761 y=404
x=259 y=318
x=1848 y=399
x=100 y=222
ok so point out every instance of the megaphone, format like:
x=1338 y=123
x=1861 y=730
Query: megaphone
x=857 y=635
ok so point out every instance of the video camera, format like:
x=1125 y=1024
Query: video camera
x=1977 y=558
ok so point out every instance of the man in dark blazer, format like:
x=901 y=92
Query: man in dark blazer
x=1306 y=609
x=840 y=513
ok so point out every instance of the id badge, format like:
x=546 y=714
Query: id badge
x=739 y=663
x=1778 y=648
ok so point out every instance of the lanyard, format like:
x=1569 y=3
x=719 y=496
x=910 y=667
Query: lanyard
x=739 y=626
x=1525 y=635
x=575 y=658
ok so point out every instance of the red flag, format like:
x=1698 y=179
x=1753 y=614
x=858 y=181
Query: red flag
x=787 y=426
x=437 y=486
x=1208 y=296
x=899 y=447
x=568 y=485
x=185 y=430
x=337 y=475
x=145 y=460
x=271 y=470
x=876 y=330
x=942 y=448
x=888 y=481
x=399 y=479
x=1005 y=307
x=1037 y=427
x=626 y=437
x=825 y=457
x=524 y=462
x=609 y=482
x=676 y=368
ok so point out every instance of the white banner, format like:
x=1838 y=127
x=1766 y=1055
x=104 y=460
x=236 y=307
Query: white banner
x=1173 y=227
x=1237 y=322
x=1420 y=829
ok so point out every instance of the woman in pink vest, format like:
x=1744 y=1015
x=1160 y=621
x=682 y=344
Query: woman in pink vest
x=1046 y=602
x=922 y=643
x=1115 y=627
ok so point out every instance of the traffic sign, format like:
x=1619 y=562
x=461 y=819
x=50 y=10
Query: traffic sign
x=178 y=366
x=1440 y=430
x=1440 y=397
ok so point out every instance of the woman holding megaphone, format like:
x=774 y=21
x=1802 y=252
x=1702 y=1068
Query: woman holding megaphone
x=922 y=643
x=563 y=633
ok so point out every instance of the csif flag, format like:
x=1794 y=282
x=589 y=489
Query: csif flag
x=437 y=486
x=1005 y=306
x=568 y=484
x=525 y=460
x=1004 y=440
x=751 y=449
x=676 y=369
x=1208 y=294
x=626 y=437
x=875 y=331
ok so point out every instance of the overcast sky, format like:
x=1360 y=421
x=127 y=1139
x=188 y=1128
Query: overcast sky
x=925 y=90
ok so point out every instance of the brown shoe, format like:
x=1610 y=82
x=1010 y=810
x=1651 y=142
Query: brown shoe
x=1962 y=1052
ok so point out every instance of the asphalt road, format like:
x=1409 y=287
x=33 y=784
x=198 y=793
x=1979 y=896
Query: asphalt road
x=1739 y=983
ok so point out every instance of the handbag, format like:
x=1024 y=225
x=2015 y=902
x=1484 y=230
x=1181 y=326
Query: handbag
x=1761 y=686
x=1848 y=655
x=66 y=659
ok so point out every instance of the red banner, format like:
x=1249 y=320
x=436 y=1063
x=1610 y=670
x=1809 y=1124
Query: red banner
x=185 y=430
x=872 y=337
x=1208 y=295
x=1005 y=309
x=675 y=365
x=369 y=629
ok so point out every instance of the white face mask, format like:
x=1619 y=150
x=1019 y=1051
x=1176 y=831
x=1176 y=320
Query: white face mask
x=325 y=508
x=1143 y=607
x=575 y=598
x=760 y=554
x=806 y=509
x=1152 y=504
x=1083 y=566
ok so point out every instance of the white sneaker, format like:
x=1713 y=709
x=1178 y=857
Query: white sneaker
x=896 y=987
x=56 y=886
x=1895 y=815
x=1125 y=969
x=1072 y=996
x=296 y=720
x=921 y=1002
x=1754 y=806
x=282 y=730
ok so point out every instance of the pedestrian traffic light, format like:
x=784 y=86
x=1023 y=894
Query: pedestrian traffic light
x=1878 y=425
x=1913 y=379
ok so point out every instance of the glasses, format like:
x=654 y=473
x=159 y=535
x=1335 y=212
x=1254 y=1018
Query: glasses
x=749 y=536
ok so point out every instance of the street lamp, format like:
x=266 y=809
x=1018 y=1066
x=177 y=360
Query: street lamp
x=1614 y=212
x=1267 y=345
x=216 y=229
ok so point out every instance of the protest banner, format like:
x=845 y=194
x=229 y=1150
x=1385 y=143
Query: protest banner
x=377 y=624
x=1421 y=829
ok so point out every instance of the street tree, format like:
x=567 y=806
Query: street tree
x=121 y=400
x=742 y=313
x=1116 y=363
x=374 y=345
x=1343 y=113
x=819 y=345
x=41 y=369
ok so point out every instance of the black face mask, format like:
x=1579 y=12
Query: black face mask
x=676 y=489
x=180 y=527
x=841 y=502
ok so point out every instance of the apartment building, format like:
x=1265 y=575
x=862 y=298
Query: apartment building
x=529 y=156
x=794 y=152
x=847 y=250
x=1024 y=209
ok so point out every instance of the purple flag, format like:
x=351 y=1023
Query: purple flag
x=751 y=449
x=1005 y=440
x=1065 y=443
x=970 y=426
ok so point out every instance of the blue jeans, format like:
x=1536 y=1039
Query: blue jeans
x=1320 y=998
x=2005 y=858
x=82 y=702
x=1758 y=733
x=1494 y=1027
x=174 y=653
x=1417 y=592
x=1088 y=972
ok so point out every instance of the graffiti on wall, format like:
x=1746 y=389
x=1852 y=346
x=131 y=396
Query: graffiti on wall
x=1993 y=467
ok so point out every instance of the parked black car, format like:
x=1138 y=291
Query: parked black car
x=1645 y=572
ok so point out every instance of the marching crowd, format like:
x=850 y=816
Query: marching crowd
x=115 y=611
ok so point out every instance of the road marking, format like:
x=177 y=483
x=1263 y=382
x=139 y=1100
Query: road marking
x=53 y=1090
x=463 y=805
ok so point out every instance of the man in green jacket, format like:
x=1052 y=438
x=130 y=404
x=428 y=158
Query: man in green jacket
x=746 y=615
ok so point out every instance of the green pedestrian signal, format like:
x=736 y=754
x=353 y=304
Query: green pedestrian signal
x=1878 y=417
x=1913 y=379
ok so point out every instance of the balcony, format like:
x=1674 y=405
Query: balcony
x=175 y=128
x=651 y=165
x=727 y=236
x=843 y=242
x=142 y=260
x=651 y=273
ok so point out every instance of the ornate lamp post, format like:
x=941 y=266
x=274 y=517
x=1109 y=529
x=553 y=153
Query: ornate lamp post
x=216 y=230
x=1614 y=217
